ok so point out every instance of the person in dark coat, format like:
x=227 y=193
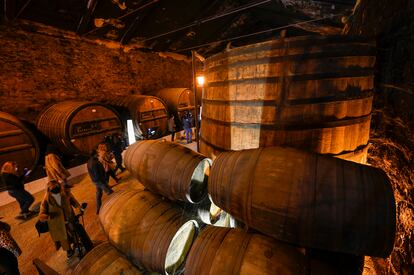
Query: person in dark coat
x=171 y=126
x=15 y=186
x=99 y=177
x=117 y=146
x=187 y=124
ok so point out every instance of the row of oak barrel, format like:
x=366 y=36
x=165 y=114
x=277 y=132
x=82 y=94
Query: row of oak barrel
x=296 y=198
x=76 y=127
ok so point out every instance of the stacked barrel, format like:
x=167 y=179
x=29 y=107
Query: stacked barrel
x=149 y=227
x=17 y=142
x=313 y=93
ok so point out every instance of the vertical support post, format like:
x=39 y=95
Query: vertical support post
x=9 y=7
x=195 y=99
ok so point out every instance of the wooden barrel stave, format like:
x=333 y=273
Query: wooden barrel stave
x=178 y=100
x=105 y=259
x=147 y=112
x=213 y=253
x=17 y=142
x=339 y=87
x=314 y=197
x=328 y=140
x=169 y=169
x=264 y=112
x=303 y=81
x=142 y=226
x=78 y=127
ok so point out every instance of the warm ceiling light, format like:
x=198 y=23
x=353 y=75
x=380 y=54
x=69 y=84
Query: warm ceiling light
x=200 y=80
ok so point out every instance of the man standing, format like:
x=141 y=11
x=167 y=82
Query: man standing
x=171 y=127
x=98 y=176
x=187 y=124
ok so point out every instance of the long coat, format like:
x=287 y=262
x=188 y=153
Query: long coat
x=57 y=227
x=54 y=168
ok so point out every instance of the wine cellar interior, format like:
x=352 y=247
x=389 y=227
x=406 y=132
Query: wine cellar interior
x=207 y=137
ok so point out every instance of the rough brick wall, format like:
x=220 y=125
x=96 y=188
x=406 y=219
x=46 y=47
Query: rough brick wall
x=39 y=69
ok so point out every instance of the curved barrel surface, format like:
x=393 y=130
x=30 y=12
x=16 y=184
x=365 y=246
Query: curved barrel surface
x=17 y=142
x=307 y=199
x=148 y=113
x=104 y=259
x=169 y=169
x=78 y=127
x=231 y=251
x=148 y=230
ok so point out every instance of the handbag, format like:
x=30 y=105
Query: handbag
x=42 y=227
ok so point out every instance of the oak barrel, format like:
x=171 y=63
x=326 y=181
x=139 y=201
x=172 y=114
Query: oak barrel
x=220 y=250
x=178 y=100
x=77 y=127
x=307 y=199
x=169 y=169
x=312 y=92
x=150 y=231
x=104 y=259
x=148 y=113
x=17 y=142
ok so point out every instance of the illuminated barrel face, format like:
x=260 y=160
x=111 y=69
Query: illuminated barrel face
x=78 y=127
x=90 y=125
x=17 y=143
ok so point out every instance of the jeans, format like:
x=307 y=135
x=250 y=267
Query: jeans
x=118 y=160
x=100 y=186
x=189 y=135
x=24 y=198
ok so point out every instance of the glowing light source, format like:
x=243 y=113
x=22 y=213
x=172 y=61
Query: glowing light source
x=131 y=132
x=201 y=80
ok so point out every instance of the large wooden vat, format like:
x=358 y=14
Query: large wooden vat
x=148 y=230
x=220 y=250
x=169 y=169
x=104 y=259
x=178 y=100
x=17 y=142
x=78 y=127
x=148 y=113
x=312 y=92
x=307 y=199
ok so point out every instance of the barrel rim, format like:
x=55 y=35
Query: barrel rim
x=337 y=38
x=190 y=195
x=195 y=226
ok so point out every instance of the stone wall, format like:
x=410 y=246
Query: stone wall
x=39 y=67
x=390 y=23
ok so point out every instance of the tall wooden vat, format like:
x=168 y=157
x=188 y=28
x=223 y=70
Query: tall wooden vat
x=312 y=92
